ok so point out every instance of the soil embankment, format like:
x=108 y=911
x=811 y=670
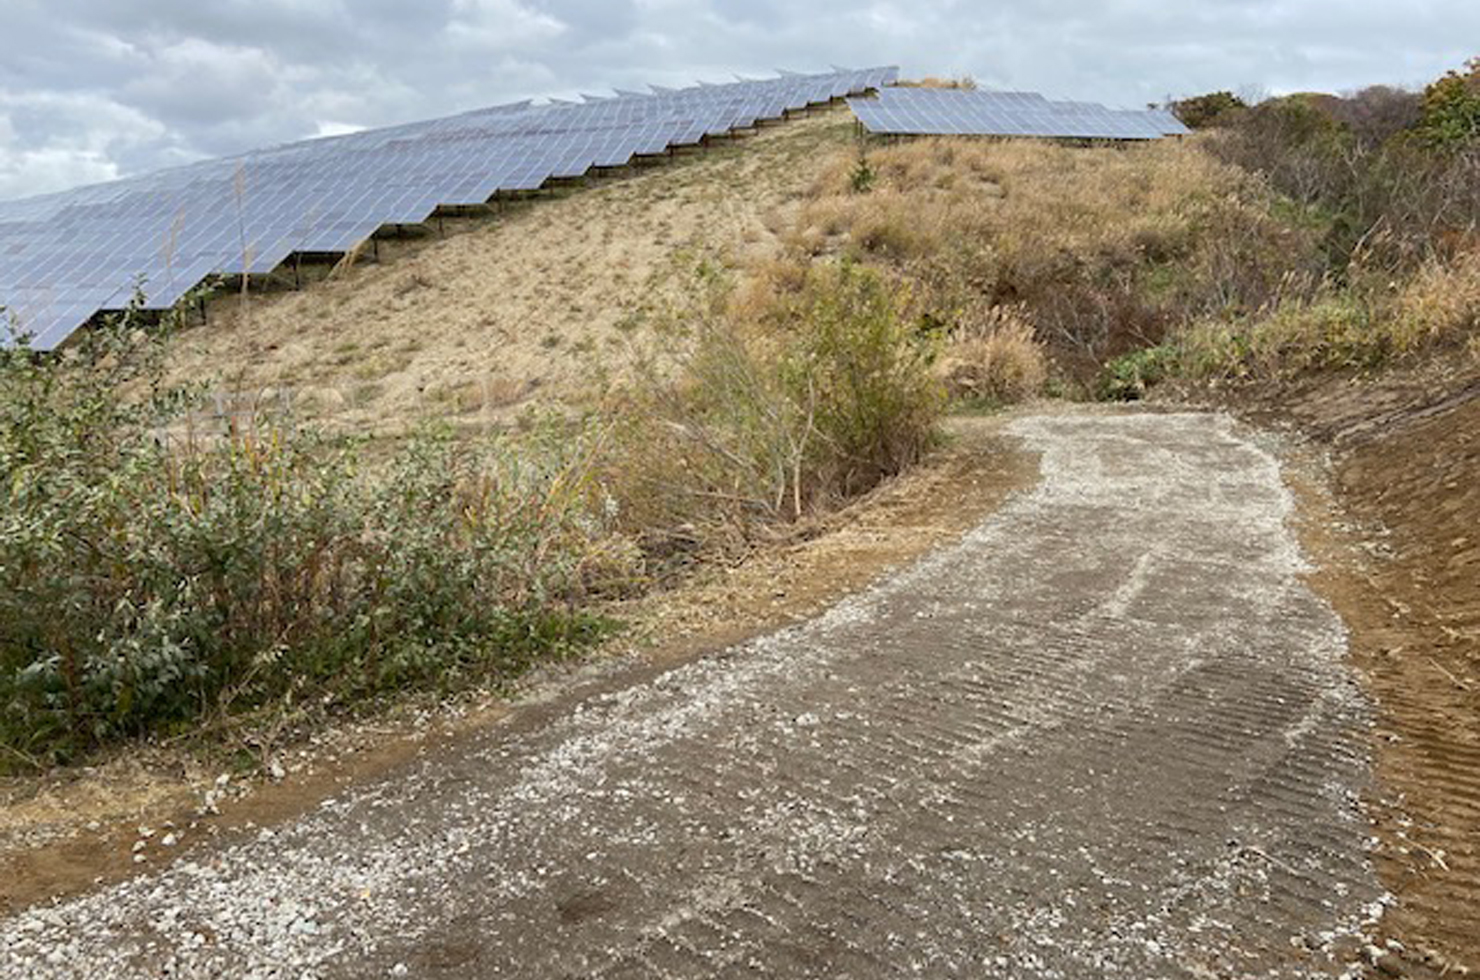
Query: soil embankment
x=1401 y=562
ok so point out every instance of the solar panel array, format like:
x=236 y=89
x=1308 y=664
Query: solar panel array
x=964 y=112
x=65 y=257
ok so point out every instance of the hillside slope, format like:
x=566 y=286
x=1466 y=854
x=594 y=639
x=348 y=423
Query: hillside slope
x=1075 y=256
x=525 y=308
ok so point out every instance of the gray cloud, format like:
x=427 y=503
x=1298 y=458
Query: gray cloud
x=93 y=89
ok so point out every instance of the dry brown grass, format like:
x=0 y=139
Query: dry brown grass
x=1115 y=199
x=931 y=81
x=1441 y=303
x=994 y=357
x=1101 y=249
x=529 y=310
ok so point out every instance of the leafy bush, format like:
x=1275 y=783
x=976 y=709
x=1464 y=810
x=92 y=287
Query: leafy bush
x=152 y=576
x=1130 y=376
x=1451 y=108
x=778 y=410
x=864 y=373
x=1211 y=109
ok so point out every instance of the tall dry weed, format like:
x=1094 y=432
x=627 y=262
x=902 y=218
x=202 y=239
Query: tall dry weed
x=1441 y=303
x=994 y=357
x=1102 y=250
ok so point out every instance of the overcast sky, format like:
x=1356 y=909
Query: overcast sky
x=96 y=89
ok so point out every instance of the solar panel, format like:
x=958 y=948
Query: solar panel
x=66 y=256
x=1168 y=122
x=964 y=112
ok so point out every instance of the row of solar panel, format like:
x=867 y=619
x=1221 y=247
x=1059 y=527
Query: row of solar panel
x=1127 y=126
x=957 y=112
x=64 y=257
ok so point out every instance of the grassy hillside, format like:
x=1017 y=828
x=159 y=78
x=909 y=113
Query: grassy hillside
x=530 y=306
x=1247 y=251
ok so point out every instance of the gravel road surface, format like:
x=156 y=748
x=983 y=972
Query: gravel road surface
x=1110 y=733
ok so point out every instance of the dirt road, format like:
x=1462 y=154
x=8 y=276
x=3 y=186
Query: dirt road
x=1110 y=733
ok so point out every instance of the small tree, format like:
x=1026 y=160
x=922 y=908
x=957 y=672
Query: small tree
x=1210 y=109
x=1377 y=113
x=1451 y=108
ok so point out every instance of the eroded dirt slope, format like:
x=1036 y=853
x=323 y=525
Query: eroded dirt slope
x=1405 y=456
x=1111 y=732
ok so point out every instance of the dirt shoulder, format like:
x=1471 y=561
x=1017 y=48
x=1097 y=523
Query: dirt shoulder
x=1392 y=515
x=70 y=832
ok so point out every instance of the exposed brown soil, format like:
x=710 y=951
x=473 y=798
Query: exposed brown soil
x=1398 y=539
x=67 y=833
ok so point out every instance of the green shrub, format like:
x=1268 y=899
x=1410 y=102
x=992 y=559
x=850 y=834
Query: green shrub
x=1451 y=108
x=152 y=576
x=1130 y=376
x=767 y=422
x=1336 y=330
x=1211 y=109
x=864 y=375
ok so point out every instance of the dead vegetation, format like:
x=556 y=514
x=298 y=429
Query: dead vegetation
x=1089 y=252
x=995 y=358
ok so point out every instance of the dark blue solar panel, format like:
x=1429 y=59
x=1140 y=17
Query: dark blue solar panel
x=64 y=257
x=958 y=112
